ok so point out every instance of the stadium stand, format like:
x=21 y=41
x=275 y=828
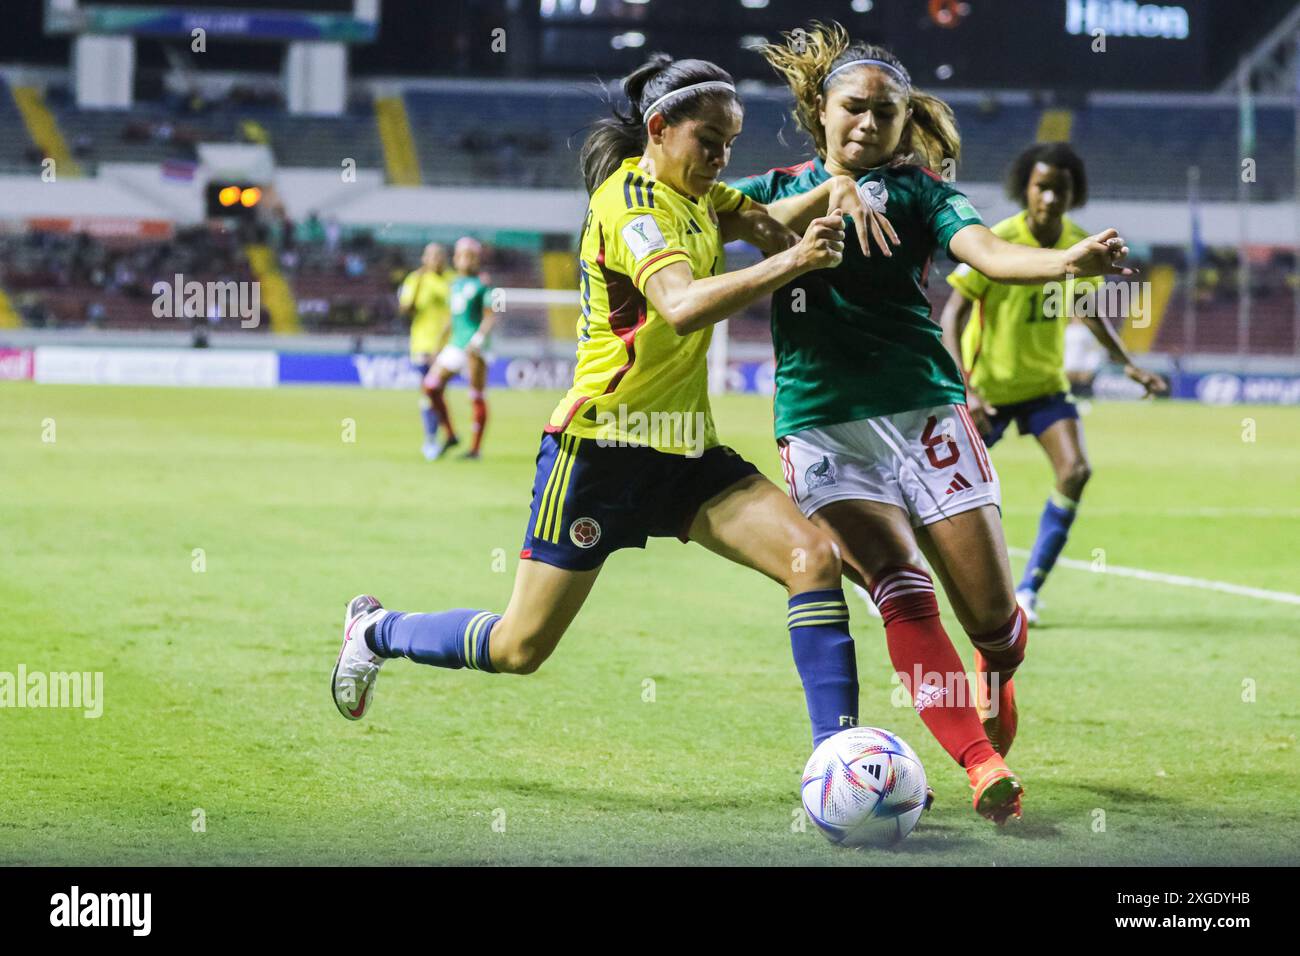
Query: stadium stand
x=477 y=137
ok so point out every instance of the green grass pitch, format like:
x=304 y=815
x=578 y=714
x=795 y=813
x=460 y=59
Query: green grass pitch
x=1158 y=722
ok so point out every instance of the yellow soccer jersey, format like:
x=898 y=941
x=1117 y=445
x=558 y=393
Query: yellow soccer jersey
x=637 y=381
x=428 y=294
x=1012 y=349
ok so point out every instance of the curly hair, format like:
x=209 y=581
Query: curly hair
x=807 y=58
x=1059 y=155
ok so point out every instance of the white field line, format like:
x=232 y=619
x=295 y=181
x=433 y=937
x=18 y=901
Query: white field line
x=1176 y=512
x=1175 y=579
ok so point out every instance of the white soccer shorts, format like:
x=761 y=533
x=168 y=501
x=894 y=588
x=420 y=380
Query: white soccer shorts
x=931 y=462
x=1083 y=353
x=452 y=358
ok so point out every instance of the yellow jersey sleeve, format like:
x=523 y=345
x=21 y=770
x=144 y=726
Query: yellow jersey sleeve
x=726 y=199
x=971 y=283
x=406 y=294
x=644 y=240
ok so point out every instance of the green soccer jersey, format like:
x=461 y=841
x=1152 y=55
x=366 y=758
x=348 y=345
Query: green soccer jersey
x=857 y=341
x=468 y=294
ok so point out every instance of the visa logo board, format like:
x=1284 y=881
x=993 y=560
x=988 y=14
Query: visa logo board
x=397 y=372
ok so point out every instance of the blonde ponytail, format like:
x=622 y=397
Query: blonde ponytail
x=808 y=56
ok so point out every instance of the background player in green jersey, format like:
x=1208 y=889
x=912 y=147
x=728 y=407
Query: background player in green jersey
x=471 y=326
x=870 y=407
x=1012 y=352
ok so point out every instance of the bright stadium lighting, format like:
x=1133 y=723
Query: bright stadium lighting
x=628 y=40
x=753 y=4
x=861 y=6
x=229 y=196
x=587 y=7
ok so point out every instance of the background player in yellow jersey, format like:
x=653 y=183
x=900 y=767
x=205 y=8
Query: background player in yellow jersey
x=619 y=462
x=424 y=300
x=1012 y=350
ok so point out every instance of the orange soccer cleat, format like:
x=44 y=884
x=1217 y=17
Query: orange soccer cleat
x=997 y=790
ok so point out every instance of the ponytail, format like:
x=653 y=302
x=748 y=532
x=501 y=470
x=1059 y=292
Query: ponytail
x=930 y=136
x=622 y=135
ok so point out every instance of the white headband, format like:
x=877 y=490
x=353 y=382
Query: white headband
x=902 y=77
x=694 y=87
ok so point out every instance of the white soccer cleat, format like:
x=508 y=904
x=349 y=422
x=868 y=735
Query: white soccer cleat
x=353 y=681
x=1028 y=601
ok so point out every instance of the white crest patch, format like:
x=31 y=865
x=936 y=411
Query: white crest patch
x=643 y=237
x=874 y=194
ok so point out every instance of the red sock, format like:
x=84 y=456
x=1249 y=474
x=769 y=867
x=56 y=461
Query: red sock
x=480 y=417
x=438 y=398
x=1004 y=648
x=923 y=655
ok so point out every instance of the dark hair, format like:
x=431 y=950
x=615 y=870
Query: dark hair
x=1050 y=154
x=615 y=138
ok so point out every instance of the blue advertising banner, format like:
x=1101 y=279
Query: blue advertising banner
x=396 y=371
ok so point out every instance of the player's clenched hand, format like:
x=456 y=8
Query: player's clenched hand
x=845 y=194
x=1153 y=383
x=1098 y=255
x=822 y=246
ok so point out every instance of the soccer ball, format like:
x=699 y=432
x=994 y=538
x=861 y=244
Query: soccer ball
x=864 y=787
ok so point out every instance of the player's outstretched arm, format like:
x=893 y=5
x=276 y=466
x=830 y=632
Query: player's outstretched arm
x=956 y=313
x=755 y=226
x=1102 y=330
x=689 y=304
x=1003 y=261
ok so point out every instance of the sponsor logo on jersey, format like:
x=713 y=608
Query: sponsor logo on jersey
x=643 y=237
x=584 y=532
x=820 y=474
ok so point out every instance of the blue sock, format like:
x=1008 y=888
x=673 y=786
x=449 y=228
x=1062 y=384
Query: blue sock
x=430 y=420
x=823 y=653
x=1053 y=529
x=454 y=639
